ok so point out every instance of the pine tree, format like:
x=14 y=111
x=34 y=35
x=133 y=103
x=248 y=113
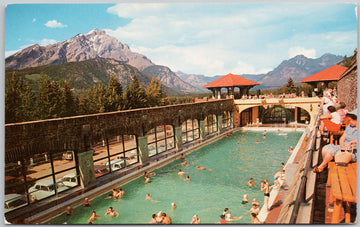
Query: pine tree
x=115 y=94
x=135 y=95
x=290 y=86
x=49 y=99
x=68 y=101
x=154 y=93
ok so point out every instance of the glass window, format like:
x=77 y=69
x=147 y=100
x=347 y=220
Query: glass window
x=157 y=142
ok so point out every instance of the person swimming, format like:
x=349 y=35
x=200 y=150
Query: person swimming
x=87 y=202
x=112 y=212
x=180 y=173
x=245 y=199
x=250 y=182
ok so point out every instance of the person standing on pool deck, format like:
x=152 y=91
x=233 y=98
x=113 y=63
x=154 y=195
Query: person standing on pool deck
x=266 y=189
x=112 y=212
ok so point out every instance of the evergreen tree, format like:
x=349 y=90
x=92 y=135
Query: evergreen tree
x=49 y=99
x=19 y=100
x=115 y=94
x=290 y=86
x=154 y=93
x=68 y=101
x=135 y=95
x=83 y=107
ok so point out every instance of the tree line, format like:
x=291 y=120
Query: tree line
x=56 y=99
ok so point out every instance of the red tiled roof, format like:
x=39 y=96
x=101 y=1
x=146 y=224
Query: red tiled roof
x=230 y=80
x=332 y=73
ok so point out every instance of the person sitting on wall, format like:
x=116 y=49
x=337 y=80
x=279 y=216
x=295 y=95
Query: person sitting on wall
x=331 y=121
x=347 y=141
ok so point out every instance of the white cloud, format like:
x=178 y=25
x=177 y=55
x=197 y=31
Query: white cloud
x=293 y=51
x=215 y=39
x=55 y=24
x=45 y=42
x=33 y=20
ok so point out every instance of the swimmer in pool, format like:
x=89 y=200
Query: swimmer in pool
x=153 y=220
x=182 y=156
x=87 y=202
x=120 y=194
x=200 y=168
x=228 y=216
x=245 y=199
x=195 y=220
x=147 y=180
x=184 y=163
x=69 y=210
x=93 y=217
x=173 y=206
x=148 y=197
x=181 y=173
x=187 y=178
x=113 y=194
x=112 y=212
x=250 y=182
x=291 y=149
x=257 y=141
x=254 y=211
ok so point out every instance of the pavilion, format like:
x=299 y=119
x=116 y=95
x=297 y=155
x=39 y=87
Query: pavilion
x=230 y=82
x=326 y=76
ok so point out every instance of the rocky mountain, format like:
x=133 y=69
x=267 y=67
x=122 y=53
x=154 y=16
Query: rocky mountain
x=84 y=74
x=297 y=67
x=170 y=79
x=92 y=45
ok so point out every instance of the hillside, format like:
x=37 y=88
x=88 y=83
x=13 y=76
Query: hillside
x=85 y=74
x=170 y=79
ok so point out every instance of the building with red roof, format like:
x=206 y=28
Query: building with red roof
x=230 y=82
x=326 y=76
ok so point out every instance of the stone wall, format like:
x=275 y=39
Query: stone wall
x=347 y=86
x=77 y=133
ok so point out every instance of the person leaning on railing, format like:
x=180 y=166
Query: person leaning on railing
x=347 y=142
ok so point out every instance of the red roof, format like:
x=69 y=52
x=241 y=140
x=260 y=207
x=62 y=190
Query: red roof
x=230 y=80
x=332 y=73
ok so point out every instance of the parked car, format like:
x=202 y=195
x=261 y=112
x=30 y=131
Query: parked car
x=70 y=180
x=116 y=164
x=13 y=201
x=45 y=188
x=68 y=155
x=100 y=170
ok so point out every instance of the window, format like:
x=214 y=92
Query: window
x=160 y=139
x=226 y=119
x=190 y=130
x=210 y=124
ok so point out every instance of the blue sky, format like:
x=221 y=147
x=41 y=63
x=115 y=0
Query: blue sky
x=209 y=39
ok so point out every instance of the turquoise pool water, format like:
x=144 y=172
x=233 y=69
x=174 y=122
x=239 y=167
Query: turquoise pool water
x=232 y=160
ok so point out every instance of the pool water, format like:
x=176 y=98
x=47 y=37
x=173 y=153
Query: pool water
x=231 y=162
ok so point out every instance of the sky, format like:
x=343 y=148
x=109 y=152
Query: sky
x=195 y=38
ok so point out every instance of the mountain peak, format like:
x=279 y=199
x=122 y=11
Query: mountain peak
x=96 y=43
x=96 y=32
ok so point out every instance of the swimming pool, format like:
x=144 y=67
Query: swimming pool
x=232 y=160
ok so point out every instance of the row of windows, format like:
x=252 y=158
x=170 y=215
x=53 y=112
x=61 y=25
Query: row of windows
x=47 y=174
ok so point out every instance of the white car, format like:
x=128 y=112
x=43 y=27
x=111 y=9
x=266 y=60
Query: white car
x=45 y=188
x=116 y=164
x=13 y=201
x=69 y=180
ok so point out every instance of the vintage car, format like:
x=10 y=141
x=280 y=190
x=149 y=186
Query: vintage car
x=116 y=164
x=70 y=180
x=13 y=201
x=45 y=188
